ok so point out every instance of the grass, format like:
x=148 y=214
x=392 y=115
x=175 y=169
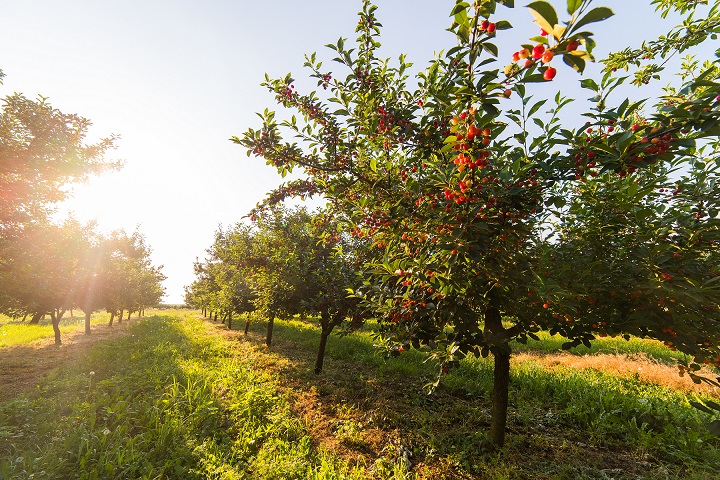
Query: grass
x=611 y=345
x=169 y=401
x=182 y=398
x=564 y=423
x=17 y=332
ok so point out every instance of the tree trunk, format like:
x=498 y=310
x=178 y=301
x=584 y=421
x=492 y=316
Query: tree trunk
x=501 y=382
x=24 y=317
x=247 y=324
x=112 y=317
x=71 y=313
x=216 y=316
x=87 y=323
x=56 y=327
x=324 y=334
x=129 y=313
x=36 y=318
x=499 y=337
x=271 y=323
x=229 y=319
x=122 y=311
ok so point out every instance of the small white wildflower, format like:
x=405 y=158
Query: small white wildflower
x=92 y=373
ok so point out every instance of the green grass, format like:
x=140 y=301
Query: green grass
x=17 y=332
x=172 y=400
x=169 y=401
x=646 y=430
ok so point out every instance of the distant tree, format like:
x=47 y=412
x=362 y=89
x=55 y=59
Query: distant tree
x=132 y=283
x=43 y=276
x=331 y=270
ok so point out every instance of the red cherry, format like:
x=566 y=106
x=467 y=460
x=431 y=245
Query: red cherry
x=549 y=74
x=572 y=46
x=484 y=25
x=491 y=28
x=538 y=51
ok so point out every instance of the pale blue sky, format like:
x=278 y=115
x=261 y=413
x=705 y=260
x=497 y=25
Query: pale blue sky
x=176 y=79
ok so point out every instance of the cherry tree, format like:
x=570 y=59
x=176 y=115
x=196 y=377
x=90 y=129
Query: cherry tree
x=492 y=216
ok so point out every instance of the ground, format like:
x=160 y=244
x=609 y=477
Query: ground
x=21 y=366
x=359 y=416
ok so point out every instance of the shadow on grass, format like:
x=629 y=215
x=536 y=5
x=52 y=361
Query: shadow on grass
x=576 y=420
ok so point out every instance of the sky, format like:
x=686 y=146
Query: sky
x=175 y=79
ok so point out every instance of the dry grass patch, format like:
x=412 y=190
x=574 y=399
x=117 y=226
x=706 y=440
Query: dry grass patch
x=637 y=366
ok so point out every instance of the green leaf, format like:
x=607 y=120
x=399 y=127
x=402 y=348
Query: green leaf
x=590 y=84
x=625 y=140
x=573 y=5
x=373 y=165
x=574 y=61
x=545 y=15
x=490 y=48
x=701 y=407
x=535 y=78
x=714 y=427
x=536 y=107
x=458 y=8
x=595 y=15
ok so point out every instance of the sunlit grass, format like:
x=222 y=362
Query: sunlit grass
x=17 y=332
x=172 y=400
x=167 y=401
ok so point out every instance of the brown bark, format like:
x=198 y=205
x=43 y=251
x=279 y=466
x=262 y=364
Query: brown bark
x=229 y=319
x=87 y=323
x=501 y=383
x=36 y=318
x=271 y=324
x=120 y=316
x=324 y=334
x=499 y=337
x=112 y=317
x=247 y=324
x=56 y=327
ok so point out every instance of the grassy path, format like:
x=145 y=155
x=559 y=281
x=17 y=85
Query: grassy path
x=179 y=397
x=23 y=364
